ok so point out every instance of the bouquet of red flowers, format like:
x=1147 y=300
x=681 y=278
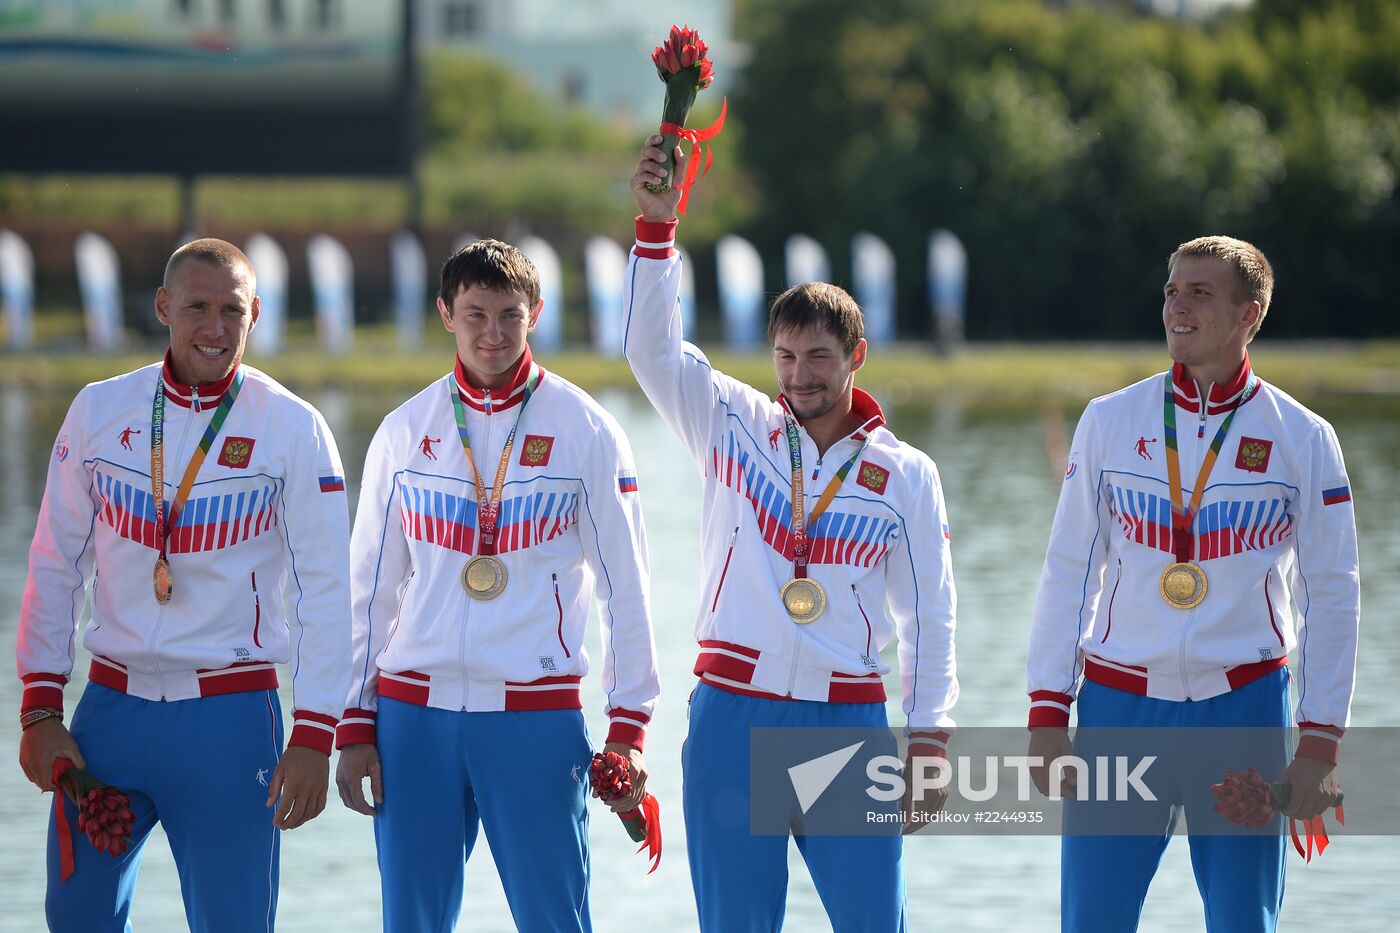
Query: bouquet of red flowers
x=1246 y=799
x=104 y=813
x=683 y=65
x=612 y=778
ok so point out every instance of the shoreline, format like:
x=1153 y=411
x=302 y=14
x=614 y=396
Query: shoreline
x=996 y=373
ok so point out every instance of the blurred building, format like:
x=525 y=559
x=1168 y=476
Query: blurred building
x=592 y=52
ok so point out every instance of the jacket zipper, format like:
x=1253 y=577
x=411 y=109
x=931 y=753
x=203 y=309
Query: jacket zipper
x=554 y=578
x=1111 y=597
x=728 y=555
x=1204 y=399
x=160 y=612
x=466 y=603
x=257 y=609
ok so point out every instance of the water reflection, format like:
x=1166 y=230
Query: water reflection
x=1000 y=470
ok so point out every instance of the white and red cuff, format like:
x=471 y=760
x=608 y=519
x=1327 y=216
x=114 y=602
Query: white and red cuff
x=312 y=730
x=928 y=743
x=357 y=727
x=1319 y=741
x=42 y=690
x=655 y=239
x=1049 y=710
x=628 y=726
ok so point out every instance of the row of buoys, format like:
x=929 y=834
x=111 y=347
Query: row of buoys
x=739 y=271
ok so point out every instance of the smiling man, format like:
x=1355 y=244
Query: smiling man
x=814 y=519
x=188 y=544
x=1178 y=585
x=472 y=571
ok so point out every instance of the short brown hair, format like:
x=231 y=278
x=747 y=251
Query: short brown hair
x=1254 y=277
x=219 y=253
x=818 y=306
x=493 y=265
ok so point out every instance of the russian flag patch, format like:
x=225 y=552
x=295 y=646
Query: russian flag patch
x=627 y=483
x=332 y=484
x=1336 y=495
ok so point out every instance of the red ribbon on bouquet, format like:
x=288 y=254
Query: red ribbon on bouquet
x=696 y=138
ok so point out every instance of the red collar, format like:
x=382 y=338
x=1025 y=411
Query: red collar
x=863 y=406
x=196 y=397
x=1222 y=396
x=508 y=396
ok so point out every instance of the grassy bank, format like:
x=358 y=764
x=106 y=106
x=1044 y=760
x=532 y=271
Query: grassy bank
x=990 y=373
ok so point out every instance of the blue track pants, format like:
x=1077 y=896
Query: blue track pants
x=522 y=775
x=1104 y=878
x=201 y=769
x=741 y=879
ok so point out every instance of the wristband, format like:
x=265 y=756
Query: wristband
x=38 y=714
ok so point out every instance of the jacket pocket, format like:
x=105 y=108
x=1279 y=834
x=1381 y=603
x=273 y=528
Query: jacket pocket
x=1109 y=627
x=728 y=556
x=257 y=609
x=559 y=605
x=1268 y=601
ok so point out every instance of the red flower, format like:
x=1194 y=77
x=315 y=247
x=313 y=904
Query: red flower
x=1243 y=798
x=612 y=779
x=682 y=50
x=104 y=814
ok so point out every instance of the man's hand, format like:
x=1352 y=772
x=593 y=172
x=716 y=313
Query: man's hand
x=1315 y=787
x=656 y=207
x=358 y=762
x=637 y=765
x=40 y=744
x=300 y=780
x=933 y=797
x=1047 y=744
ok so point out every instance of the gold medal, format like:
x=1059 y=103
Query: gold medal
x=1183 y=585
x=804 y=599
x=164 y=583
x=484 y=577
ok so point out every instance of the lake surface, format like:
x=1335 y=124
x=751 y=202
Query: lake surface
x=1000 y=473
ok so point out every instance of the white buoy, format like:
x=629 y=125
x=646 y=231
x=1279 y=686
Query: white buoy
x=947 y=286
x=740 y=273
x=805 y=261
x=549 y=332
x=332 y=285
x=99 y=280
x=17 y=290
x=410 y=282
x=270 y=269
x=872 y=275
x=605 y=266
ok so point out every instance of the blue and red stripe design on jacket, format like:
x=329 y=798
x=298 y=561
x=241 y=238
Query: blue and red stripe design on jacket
x=834 y=538
x=449 y=521
x=1221 y=528
x=1336 y=495
x=206 y=523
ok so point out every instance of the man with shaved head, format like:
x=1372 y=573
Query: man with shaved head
x=188 y=545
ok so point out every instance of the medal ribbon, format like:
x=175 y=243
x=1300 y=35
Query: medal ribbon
x=165 y=522
x=1183 y=544
x=486 y=509
x=800 y=520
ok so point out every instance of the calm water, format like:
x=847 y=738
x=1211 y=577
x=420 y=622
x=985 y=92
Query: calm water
x=1001 y=488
